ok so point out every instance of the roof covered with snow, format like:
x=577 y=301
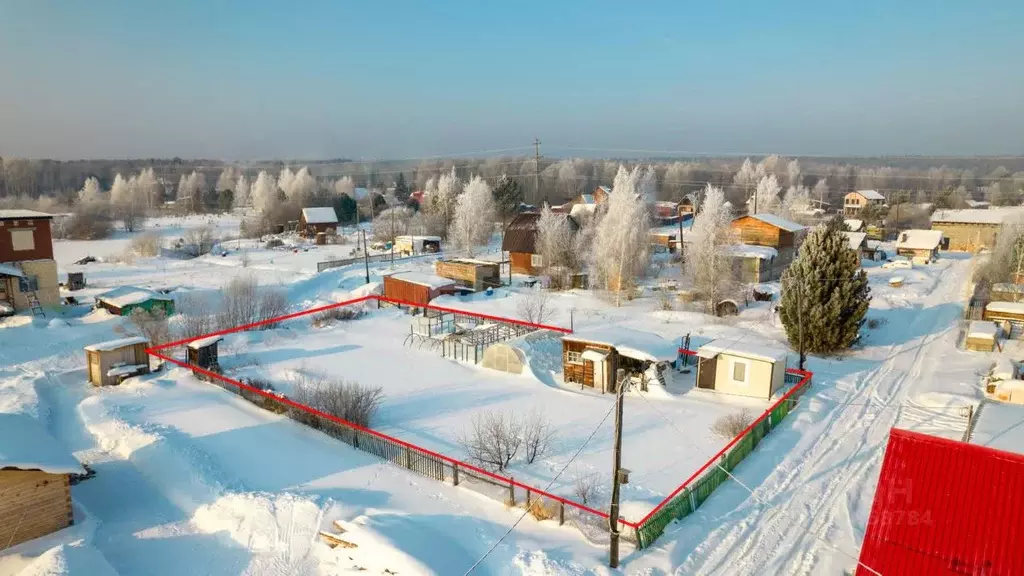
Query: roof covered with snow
x=870 y=194
x=856 y=239
x=751 y=251
x=1000 y=426
x=8 y=270
x=854 y=224
x=945 y=483
x=994 y=216
x=778 y=222
x=324 y=215
x=983 y=329
x=1005 y=307
x=977 y=203
x=25 y=445
x=919 y=239
x=628 y=342
x=743 y=350
x=423 y=279
x=204 y=342
x=127 y=295
x=1008 y=287
x=115 y=344
x=22 y=214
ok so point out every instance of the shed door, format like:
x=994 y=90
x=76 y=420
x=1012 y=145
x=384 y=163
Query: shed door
x=706 y=370
x=600 y=368
x=94 y=369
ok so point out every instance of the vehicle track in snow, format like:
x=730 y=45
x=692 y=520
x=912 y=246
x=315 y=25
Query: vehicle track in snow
x=836 y=459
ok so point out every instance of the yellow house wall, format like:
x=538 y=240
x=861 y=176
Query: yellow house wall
x=49 y=290
x=760 y=383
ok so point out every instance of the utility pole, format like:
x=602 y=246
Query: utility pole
x=366 y=256
x=536 y=172
x=393 y=237
x=613 y=511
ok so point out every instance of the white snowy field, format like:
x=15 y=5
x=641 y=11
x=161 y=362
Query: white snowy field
x=191 y=479
x=431 y=401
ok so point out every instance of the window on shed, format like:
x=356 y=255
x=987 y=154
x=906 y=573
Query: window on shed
x=23 y=239
x=739 y=371
x=573 y=357
x=536 y=260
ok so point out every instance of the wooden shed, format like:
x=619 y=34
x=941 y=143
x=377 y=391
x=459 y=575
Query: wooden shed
x=121 y=301
x=76 y=281
x=920 y=245
x=982 y=336
x=741 y=369
x=1007 y=292
x=412 y=245
x=771 y=231
x=416 y=288
x=1009 y=312
x=202 y=352
x=35 y=482
x=592 y=358
x=475 y=274
x=111 y=362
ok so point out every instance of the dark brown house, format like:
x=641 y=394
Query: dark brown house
x=28 y=272
x=316 y=220
x=520 y=242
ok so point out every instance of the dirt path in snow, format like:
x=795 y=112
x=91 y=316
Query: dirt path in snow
x=825 y=482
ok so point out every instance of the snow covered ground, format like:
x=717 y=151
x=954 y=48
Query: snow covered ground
x=192 y=479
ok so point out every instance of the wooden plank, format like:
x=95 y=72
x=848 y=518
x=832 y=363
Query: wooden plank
x=333 y=540
x=338 y=526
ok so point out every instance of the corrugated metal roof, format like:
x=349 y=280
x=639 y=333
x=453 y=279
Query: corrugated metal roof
x=945 y=508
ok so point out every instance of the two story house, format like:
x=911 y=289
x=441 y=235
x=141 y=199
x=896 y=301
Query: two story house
x=28 y=272
x=768 y=231
x=857 y=200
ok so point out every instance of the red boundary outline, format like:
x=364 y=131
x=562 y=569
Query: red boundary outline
x=155 y=351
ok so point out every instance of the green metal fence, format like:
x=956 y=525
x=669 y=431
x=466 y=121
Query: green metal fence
x=714 y=474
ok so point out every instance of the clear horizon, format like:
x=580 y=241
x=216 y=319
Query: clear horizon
x=251 y=81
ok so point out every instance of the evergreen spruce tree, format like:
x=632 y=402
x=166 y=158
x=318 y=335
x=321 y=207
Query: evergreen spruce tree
x=401 y=188
x=826 y=290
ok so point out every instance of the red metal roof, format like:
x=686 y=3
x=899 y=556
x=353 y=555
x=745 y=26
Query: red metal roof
x=945 y=507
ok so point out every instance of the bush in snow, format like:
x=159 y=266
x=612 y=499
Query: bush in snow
x=494 y=439
x=146 y=245
x=586 y=487
x=328 y=317
x=826 y=291
x=196 y=316
x=349 y=401
x=732 y=425
x=197 y=241
x=243 y=302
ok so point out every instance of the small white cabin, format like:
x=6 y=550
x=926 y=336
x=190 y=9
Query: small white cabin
x=741 y=369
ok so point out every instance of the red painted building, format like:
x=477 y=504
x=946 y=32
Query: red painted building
x=944 y=507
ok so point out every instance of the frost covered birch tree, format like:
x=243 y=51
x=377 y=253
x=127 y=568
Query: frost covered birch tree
x=227 y=179
x=766 y=196
x=119 y=190
x=443 y=201
x=556 y=245
x=709 y=264
x=473 y=222
x=621 y=244
x=90 y=192
x=300 y=187
x=344 y=186
x=285 y=180
x=241 y=197
x=264 y=193
x=149 y=188
x=796 y=200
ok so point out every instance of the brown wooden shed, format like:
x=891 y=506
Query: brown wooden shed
x=416 y=288
x=475 y=274
x=592 y=357
x=315 y=221
x=203 y=352
x=520 y=242
x=108 y=363
x=35 y=483
x=982 y=336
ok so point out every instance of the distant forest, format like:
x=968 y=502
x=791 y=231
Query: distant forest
x=944 y=181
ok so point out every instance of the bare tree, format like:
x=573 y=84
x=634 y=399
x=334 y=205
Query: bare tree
x=535 y=306
x=152 y=325
x=196 y=318
x=537 y=436
x=586 y=487
x=493 y=439
x=350 y=401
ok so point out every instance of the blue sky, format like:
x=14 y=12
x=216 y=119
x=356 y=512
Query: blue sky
x=389 y=79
